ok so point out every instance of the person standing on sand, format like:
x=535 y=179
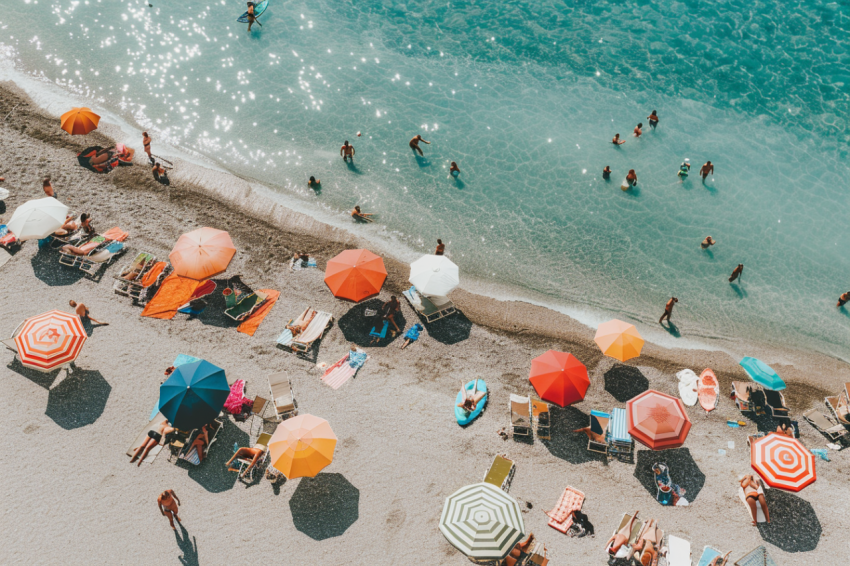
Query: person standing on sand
x=617 y=140
x=638 y=130
x=739 y=271
x=653 y=119
x=48 y=187
x=347 y=152
x=167 y=504
x=441 y=247
x=707 y=169
x=414 y=144
x=668 y=310
x=606 y=173
x=843 y=299
x=146 y=140
x=83 y=312
x=709 y=241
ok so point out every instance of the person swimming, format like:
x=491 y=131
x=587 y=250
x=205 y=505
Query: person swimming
x=653 y=119
x=684 y=169
x=709 y=241
x=631 y=180
x=617 y=140
x=454 y=170
x=638 y=130
x=606 y=173
x=314 y=183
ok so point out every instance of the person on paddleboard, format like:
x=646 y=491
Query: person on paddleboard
x=251 y=18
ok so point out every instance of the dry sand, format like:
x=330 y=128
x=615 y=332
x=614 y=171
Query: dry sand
x=70 y=496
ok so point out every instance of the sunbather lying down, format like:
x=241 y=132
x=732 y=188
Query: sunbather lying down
x=621 y=537
x=471 y=399
x=72 y=250
x=163 y=432
x=600 y=438
x=648 y=543
x=245 y=453
x=297 y=329
x=720 y=560
x=751 y=485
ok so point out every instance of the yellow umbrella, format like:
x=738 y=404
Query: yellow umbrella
x=619 y=340
x=302 y=446
x=79 y=121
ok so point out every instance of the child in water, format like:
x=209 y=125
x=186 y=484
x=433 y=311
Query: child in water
x=684 y=170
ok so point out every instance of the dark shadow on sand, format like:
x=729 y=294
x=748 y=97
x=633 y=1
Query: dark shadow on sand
x=355 y=325
x=672 y=329
x=683 y=471
x=625 y=382
x=794 y=525
x=189 y=548
x=740 y=291
x=566 y=444
x=2 y=207
x=78 y=400
x=213 y=314
x=450 y=330
x=46 y=267
x=212 y=474
x=325 y=506
x=39 y=378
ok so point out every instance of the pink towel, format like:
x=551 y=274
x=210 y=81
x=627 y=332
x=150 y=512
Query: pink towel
x=561 y=517
x=234 y=401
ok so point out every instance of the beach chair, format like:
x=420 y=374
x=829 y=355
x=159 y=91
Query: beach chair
x=540 y=418
x=775 y=404
x=10 y=345
x=599 y=423
x=263 y=444
x=678 y=551
x=501 y=472
x=756 y=557
x=561 y=516
x=191 y=454
x=519 y=553
x=741 y=392
x=839 y=405
x=620 y=442
x=431 y=308
x=760 y=515
x=520 y=415
x=153 y=424
x=319 y=322
x=625 y=550
x=282 y=396
x=339 y=373
x=376 y=335
x=822 y=424
x=246 y=305
x=92 y=263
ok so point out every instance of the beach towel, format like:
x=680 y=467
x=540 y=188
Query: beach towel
x=561 y=517
x=357 y=358
x=233 y=404
x=413 y=333
x=153 y=273
x=250 y=325
x=116 y=234
x=820 y=453
x=173 y=293
x=298 y=265
x=708 y=554
x=336 y=375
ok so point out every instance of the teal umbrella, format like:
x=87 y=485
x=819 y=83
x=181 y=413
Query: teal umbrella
x=762 y=374
x=193 y=395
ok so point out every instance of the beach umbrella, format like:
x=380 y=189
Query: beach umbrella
x=658 y=420
x=782 y=462
x=202 y=253
x=619 y=340
x=79 y=121
x=762 y=374
x=193 y=395
x=302 y=446
x=434 y=275
x=37 y=219
x=355 y=275
x=50 y=340
x=559 y=377
x=482 y=521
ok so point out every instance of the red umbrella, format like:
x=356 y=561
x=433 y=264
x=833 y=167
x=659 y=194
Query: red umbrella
x=658 y=420
x=355 y=275
x=783 y=462
x=559 y=377
x=50 y=340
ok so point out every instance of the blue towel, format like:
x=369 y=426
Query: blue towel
x=821 y=453
x=382 y=333
x=708 y=555
x=356 y=359
x=413 y=333
x=115 y=247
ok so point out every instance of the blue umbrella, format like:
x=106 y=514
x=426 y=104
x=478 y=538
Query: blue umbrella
x=193 y=395
x=762 y=374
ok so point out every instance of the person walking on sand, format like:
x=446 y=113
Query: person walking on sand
x=347 y=152
x=709 y=241
x=606 y=173
x=706 y=170
x=668 y=310
x=357 y=214
x=684 y=170
x=738 y=272
x=48 y=187
x=653 y=119
x=843 y=299
x=638 y=130
x=414 y=144
x=454 y=170
x=83 y=312
x=167 y=503
x=617 y=140
x=146 y=140
x=441 y=247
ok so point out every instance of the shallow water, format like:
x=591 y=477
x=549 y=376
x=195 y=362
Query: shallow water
x=525 y=97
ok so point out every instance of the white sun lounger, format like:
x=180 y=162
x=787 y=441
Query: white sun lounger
x=759 y=509
x=315 y=330
x=154 y=452
x=678 y=551
x=431 y=307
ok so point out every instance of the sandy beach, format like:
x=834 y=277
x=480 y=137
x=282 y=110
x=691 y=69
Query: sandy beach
x=71 y=496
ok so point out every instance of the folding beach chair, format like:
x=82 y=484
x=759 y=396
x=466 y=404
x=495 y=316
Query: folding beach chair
x=561 y=516
x=540 y=419
x=637 y=528
x=316 y=328
x=756 y=557
x=189 y=454
x=431 y=308
x=775 y=404
x=599 y=423
x=92 y=263
x=196 y=303
x=822 y=424
x=379 y=335
x=708 y=554
x=153 y=424
x=282 y=396
x=72 y=260
x=263 y=444
x=620 y=443
x=501 y=472
x=241 y=301
x=840 y=405
x=678 y=551
x=520 y=415
x=741 y=391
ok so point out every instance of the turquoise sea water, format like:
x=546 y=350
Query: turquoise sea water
x=526 y=97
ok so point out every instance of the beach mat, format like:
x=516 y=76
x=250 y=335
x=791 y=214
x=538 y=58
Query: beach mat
x=150 y=277
x=250 y=325
x=174 y=293
x=116 y=234
x=4 y=257
x=338 y=374
x=152 y=425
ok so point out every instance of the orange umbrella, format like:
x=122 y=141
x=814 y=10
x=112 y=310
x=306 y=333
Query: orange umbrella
x=619 y=340
x=783 y=462
x=302 y=446
x=559 y=377
x=202 y=253
x=658 y=420
x=50 y=340
x=355 y=275
x=79 y=121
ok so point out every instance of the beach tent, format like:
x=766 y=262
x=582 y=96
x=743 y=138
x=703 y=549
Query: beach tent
x=302 y=446
x=762 y=374
x=482 y=521
x=79 y=121
x=559 y=377
x=202 y=253
x=37 y=219
x=50 y=340
x=193 y=395
x=782 y=462
x=434 y=275
x=658 y=420
x=355 y=275
x=619 y=340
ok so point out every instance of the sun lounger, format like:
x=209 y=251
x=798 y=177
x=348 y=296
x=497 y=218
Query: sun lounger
x=191 y=454
x=759 y=509
x=825 y=426
x=319 y=323
x=263 y=444
x=540 y=419
x=339 y=373
x=620 y=443
x=839 y=405
x=599 y=423
x=196 y=303
x=431 y=308
x=678 y=551
x=708 y=554
x=282 y=396
x=775 y=404
x=379 y=335
x=99 y=251
x=154 y=452
x=520 y=415
x=519 y=552
x=561 y=516
x=756 y=557
x=128 y=282
x=741 y=390
x=500 y=473
x=625 y=550
x=246 y=305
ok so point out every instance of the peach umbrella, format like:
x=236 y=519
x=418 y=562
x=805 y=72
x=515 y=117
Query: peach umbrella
x=619 y=340
x=202 y=253
x=658 y=420
x=79 y=121
x=559 y=377
x=302 y=446
x=355 y=275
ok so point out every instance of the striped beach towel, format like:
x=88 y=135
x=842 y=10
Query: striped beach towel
x=336 y=375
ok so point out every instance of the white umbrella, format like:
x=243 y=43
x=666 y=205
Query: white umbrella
x=37 y=219
x=434 y=275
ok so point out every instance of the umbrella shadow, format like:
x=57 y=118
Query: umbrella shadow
x=566 y=444
x=189 y=548
x=625 y=382
x=325 y=506
x=78 y=400
x=212 y=474
x=794 y=525
x=46 y=267
x=450 y=330
x=355 y=325
x=213 y=314
x=683 y=471
x=41 y=379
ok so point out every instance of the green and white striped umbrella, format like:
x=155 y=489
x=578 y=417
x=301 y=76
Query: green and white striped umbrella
x=482 y=521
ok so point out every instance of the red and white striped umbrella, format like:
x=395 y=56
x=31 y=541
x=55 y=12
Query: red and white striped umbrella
x=783 y=462
x=658 y=420
x=50 y=340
